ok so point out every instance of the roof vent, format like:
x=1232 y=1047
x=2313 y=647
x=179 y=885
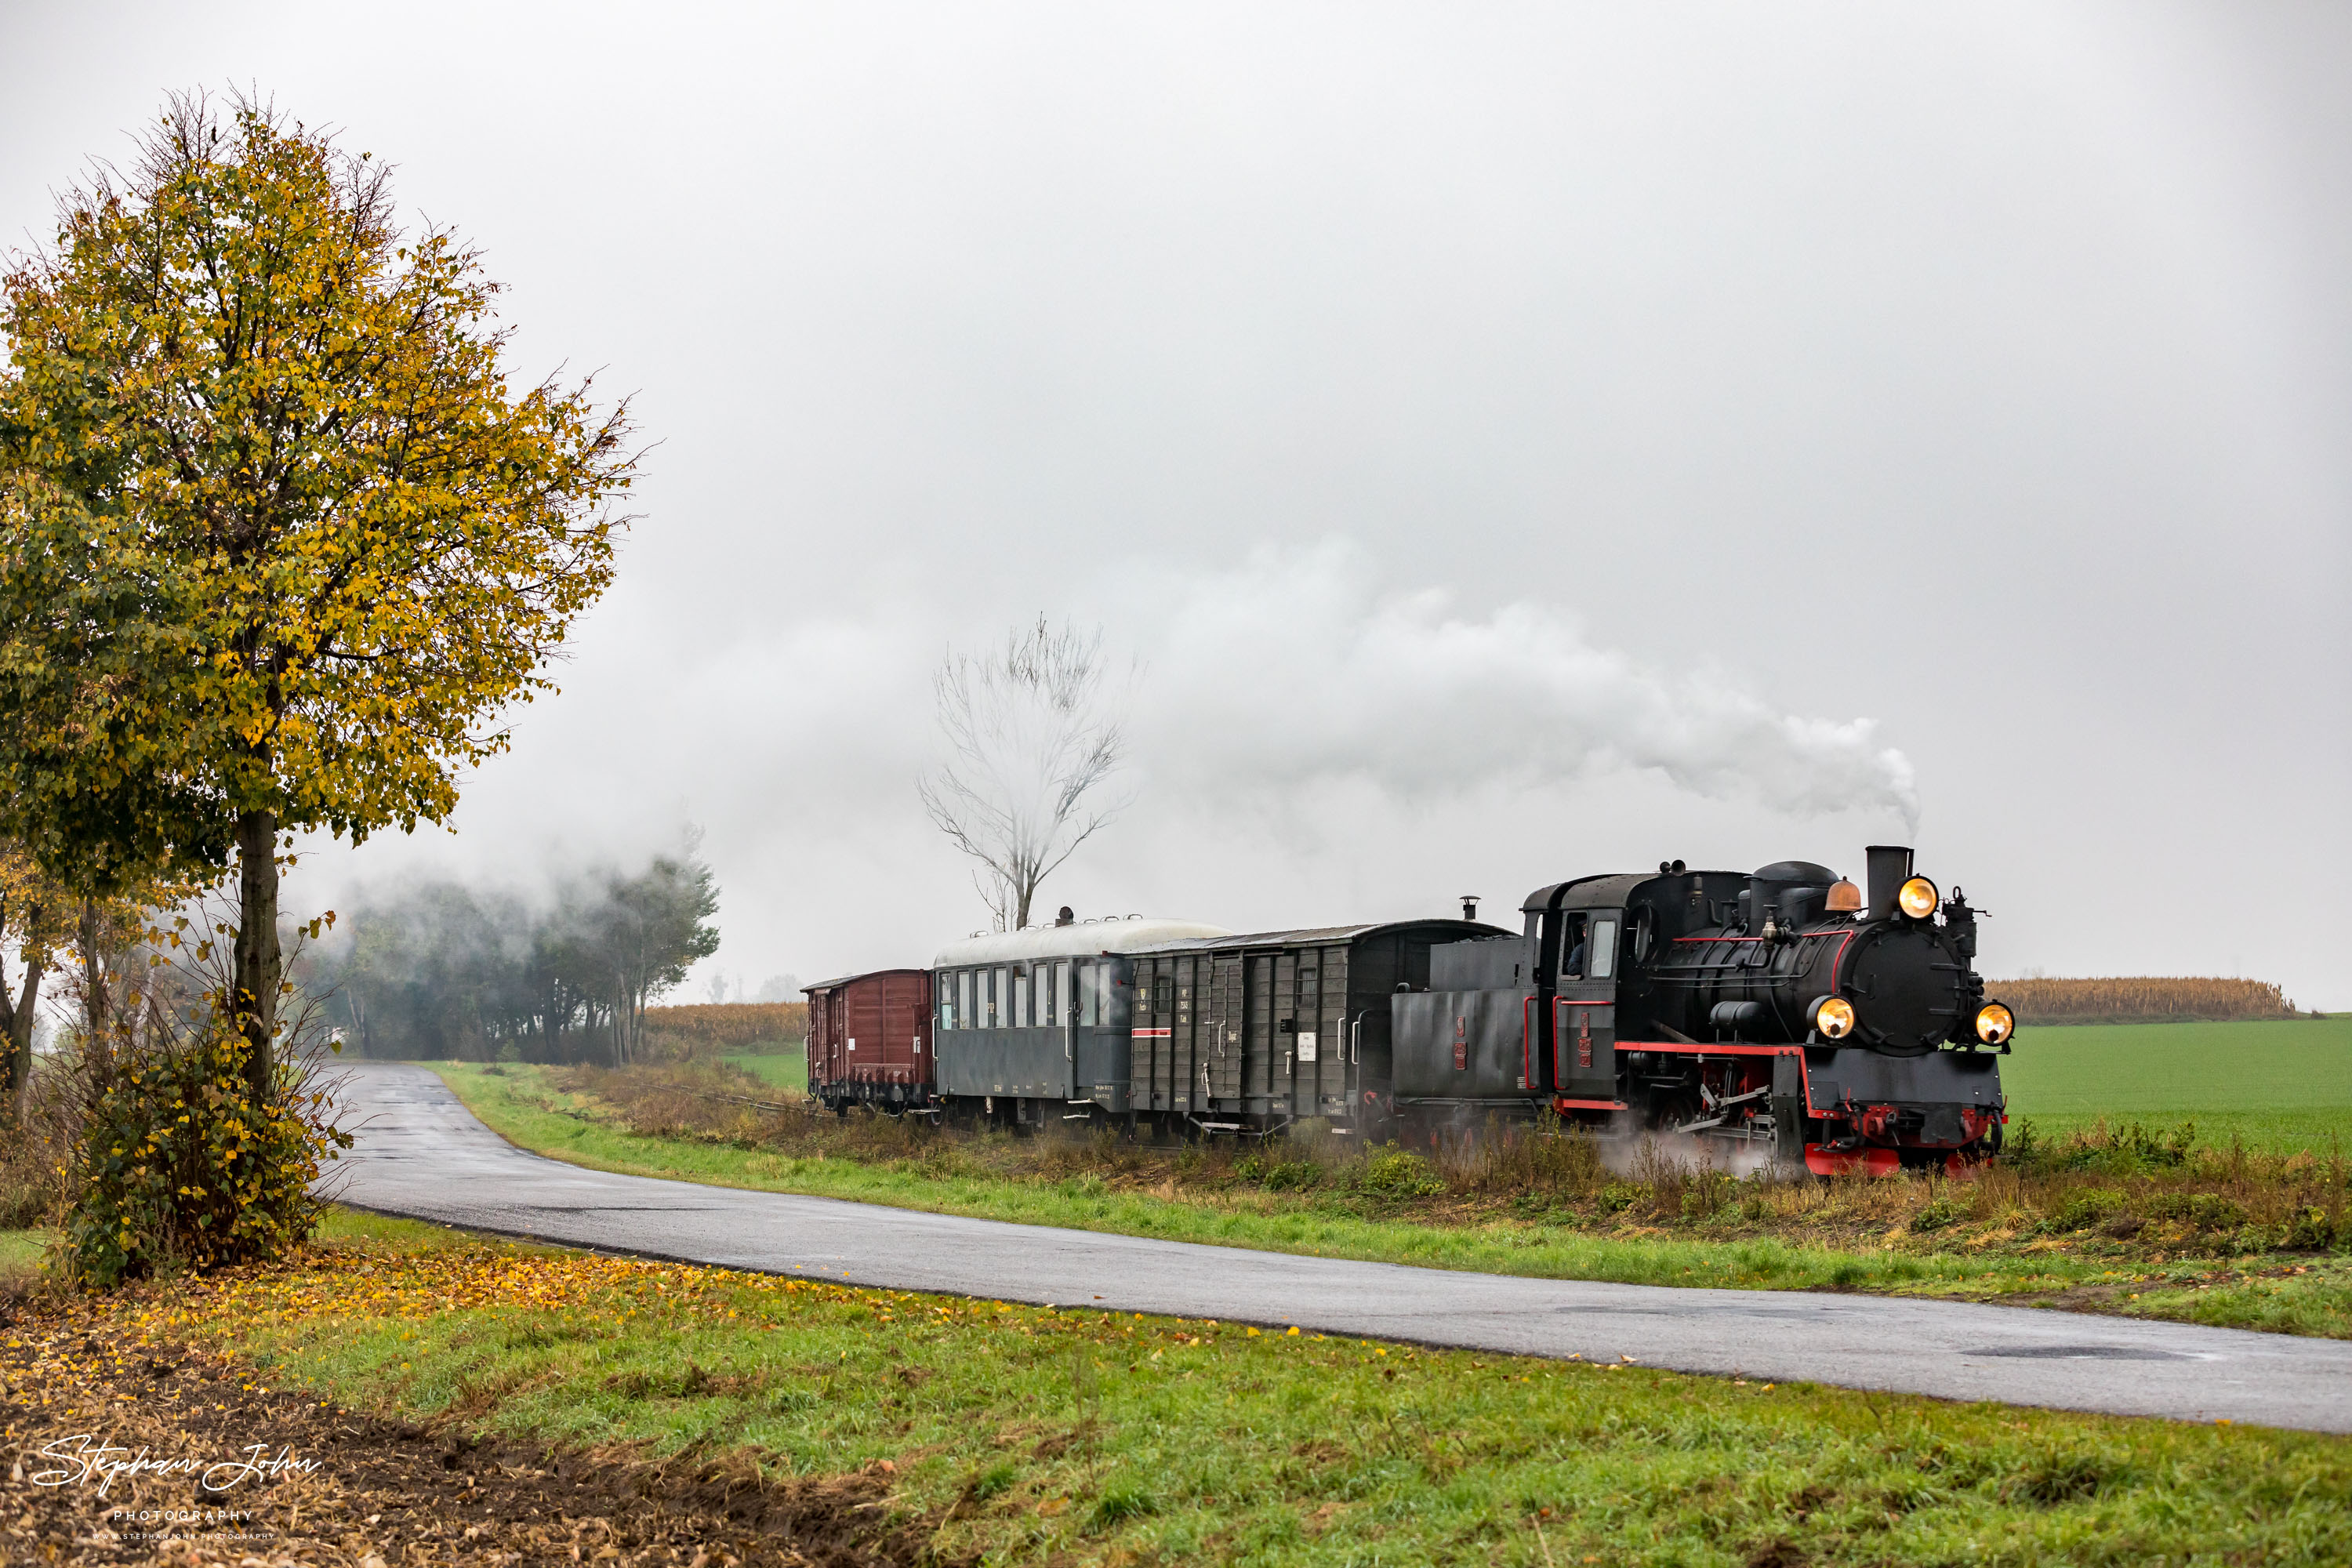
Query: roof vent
x=1469 y=906
x=1065 y=917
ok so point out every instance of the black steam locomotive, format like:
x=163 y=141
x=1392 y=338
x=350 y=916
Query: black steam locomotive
x=1783 y=1010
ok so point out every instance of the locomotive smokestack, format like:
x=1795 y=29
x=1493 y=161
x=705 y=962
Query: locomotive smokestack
x=1469 y=906
x=1890 y=865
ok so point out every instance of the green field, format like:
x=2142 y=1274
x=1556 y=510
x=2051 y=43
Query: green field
x=2284 y=1086
x=777 y=1069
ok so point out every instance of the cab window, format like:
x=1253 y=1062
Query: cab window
x=1573 y=954
x=1601 y=962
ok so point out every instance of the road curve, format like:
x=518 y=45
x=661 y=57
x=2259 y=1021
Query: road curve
x=421 y=1153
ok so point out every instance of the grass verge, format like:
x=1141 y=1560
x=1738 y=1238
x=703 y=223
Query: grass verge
x=1857 y=1236
x=973 y=1431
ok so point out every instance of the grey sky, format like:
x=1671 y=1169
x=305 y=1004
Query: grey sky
x=1513 y=442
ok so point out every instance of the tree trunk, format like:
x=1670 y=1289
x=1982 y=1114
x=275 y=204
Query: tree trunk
x=260 y=967
x=17 y=1016
x=96 y=1047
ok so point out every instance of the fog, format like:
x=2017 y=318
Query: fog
x=1497 y=446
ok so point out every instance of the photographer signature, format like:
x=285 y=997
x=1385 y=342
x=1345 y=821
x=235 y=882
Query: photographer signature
x=82 y=1459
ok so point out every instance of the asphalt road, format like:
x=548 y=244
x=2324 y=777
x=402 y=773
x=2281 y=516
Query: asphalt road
x=422 y=1153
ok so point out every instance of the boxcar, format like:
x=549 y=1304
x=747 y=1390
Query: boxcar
x=1032 y=1025
x=1251 y=1032
x=869 y=1041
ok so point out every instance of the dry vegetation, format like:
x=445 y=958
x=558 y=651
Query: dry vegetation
x=32 y=1167
x=729 y=1025
x=2107 y=1191
x=2142 y=999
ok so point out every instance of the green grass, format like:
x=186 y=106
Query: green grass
x=1091 y=1437
x=2281 y=1085
x=21 y=1248
x=526 y=1110
x=777 y=1069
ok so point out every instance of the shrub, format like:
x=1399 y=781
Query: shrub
x=2204 y=1211
x=1938 y=1214
x=174 y=1165
x=1618 y=1196
x=1291 y=1176
x=2086 y=1209
x=1399 y=1174
x=2308 y=1229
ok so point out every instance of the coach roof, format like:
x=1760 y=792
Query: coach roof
x=1313 y=936
x=1080 y=939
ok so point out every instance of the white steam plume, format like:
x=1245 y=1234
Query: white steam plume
x=1299 y=670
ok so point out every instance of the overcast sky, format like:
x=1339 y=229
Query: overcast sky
x=1506 y=443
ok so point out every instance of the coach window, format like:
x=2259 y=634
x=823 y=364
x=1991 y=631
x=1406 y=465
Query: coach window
x=1045 y=1014
x=1062 y=993
x=1603 y=963
x=1088 y=1013
x=1020 y=998
x=999 y=997
x=963 y=996
x=945 y=1017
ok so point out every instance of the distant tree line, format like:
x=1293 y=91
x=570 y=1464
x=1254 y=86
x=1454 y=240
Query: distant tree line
x=444 y=969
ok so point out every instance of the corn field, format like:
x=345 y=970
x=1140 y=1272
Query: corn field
x=730 y=1025
x=2140 y=999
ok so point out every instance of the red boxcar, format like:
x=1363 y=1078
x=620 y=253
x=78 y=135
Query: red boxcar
x=870 y=1040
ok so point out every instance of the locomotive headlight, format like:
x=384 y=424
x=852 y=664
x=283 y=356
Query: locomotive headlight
x=1995 y=1023
x=1918 y=897
x=1834 y=1017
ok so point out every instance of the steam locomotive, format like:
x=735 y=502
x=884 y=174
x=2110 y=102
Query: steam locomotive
x=1783 y=1009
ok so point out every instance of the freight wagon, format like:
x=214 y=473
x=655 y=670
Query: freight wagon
x=869 y=1041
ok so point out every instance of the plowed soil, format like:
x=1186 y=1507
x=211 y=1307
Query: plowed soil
x=365 y=1492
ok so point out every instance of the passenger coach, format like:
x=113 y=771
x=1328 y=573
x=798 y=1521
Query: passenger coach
x=1032 y=1025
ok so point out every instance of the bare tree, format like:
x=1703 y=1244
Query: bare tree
x=1030 y=745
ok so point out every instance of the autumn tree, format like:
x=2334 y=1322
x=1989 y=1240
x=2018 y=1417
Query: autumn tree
x=1031 y=742
x=281 y=538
